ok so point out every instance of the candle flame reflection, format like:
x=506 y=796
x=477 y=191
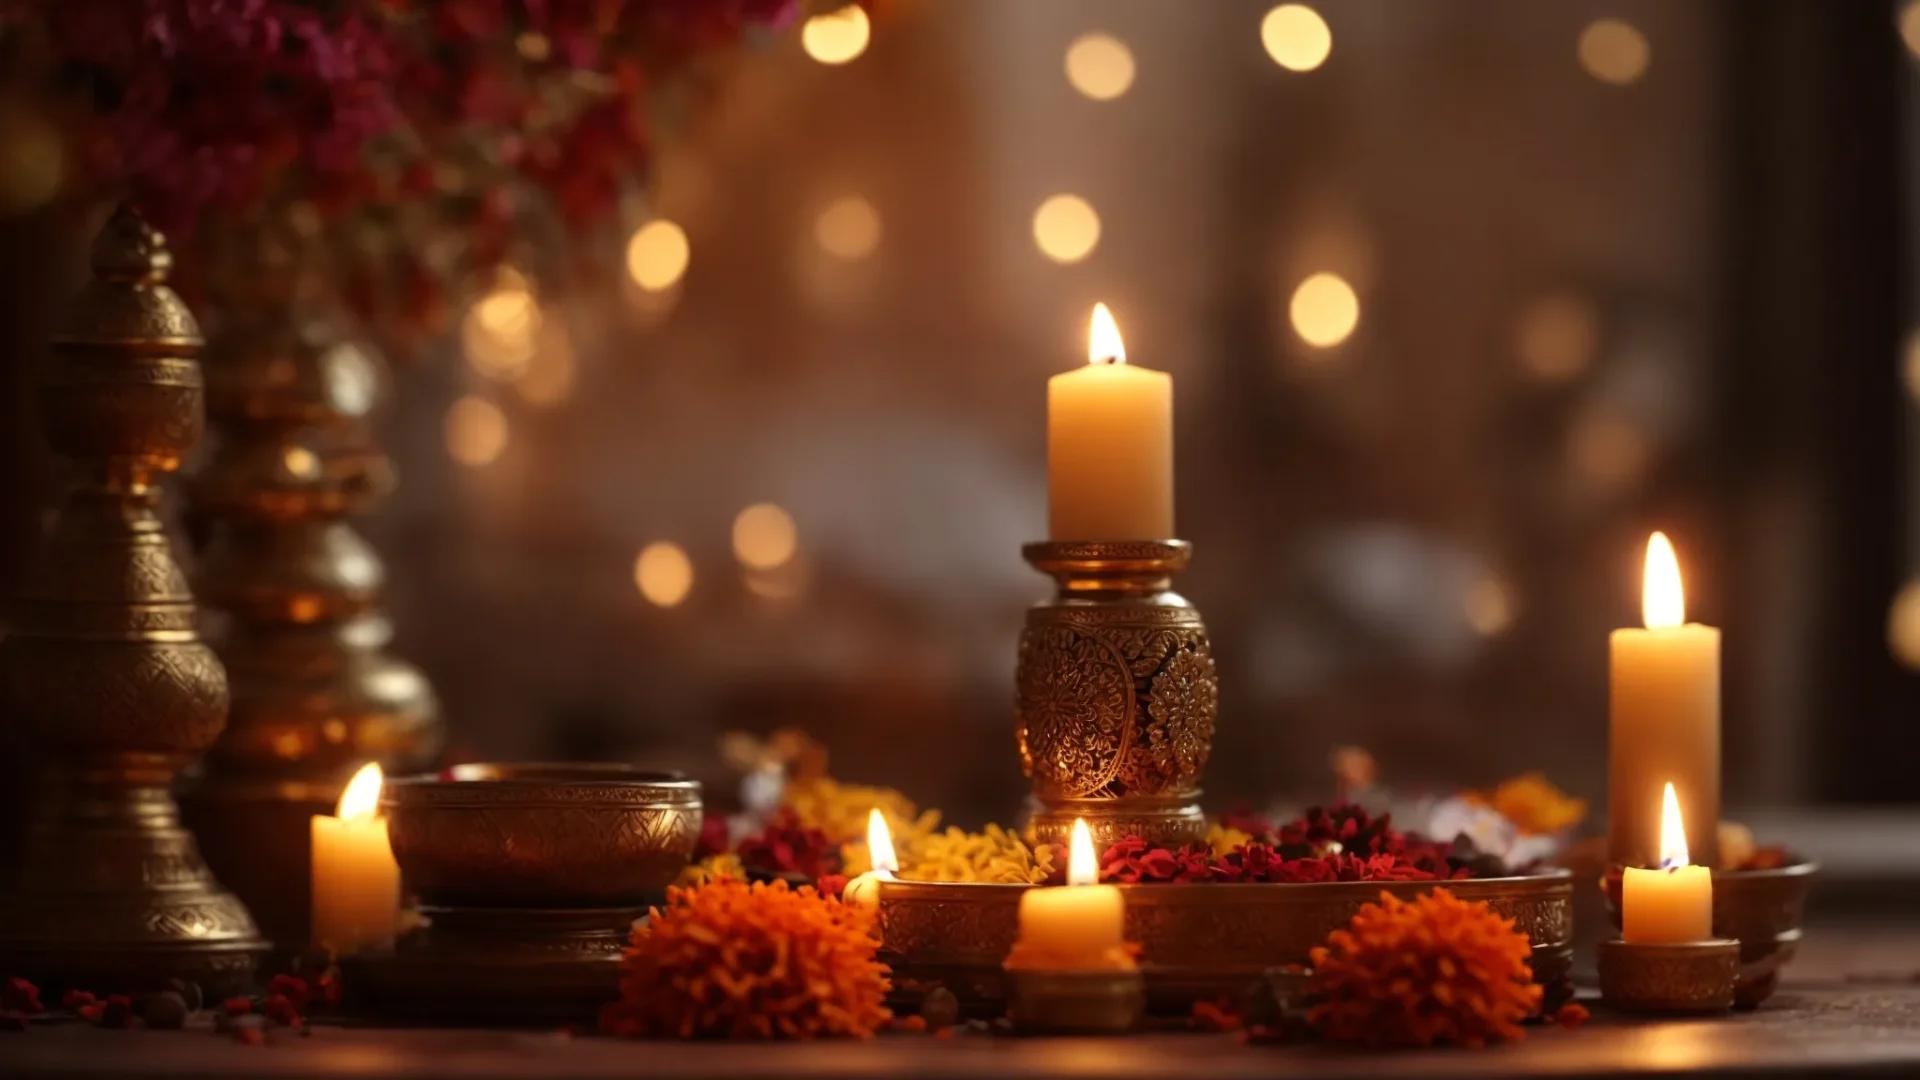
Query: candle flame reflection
x=1082 y=867
x=1663 y=603
x=880 y=845
x=1103 y=339
x=1673 y=834
x=362 y=797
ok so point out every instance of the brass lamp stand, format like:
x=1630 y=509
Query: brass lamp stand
x=102 y=665
x=1116 y=694
x=315 y=694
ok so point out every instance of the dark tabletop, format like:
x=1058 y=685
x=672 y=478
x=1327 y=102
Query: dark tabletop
x=1851 y=1007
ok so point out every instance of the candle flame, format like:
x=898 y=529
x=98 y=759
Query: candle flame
x=362 y=797
x=1103 y=339
x=1082 y=867
x=880 y=845
x=1673 y=834
x=1663 y=603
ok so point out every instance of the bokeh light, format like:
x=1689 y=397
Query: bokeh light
x=657 y=255
x=1903 y=625
x=849 y=228
x=1066 y=228
x=1910 y=360
x=1324 y=310
x=33 y=163
x=1910 y=26
x=835 y=37
x=1614 y=51
x=549 y=376
x=663 y=573
x=1607 y=450
x=1296 y=37
x=1099 y=66
x=476 y=431
x=1557 y=337
x=764 y=536
x=300 y=463
x=501 y=331
x=1489 y=607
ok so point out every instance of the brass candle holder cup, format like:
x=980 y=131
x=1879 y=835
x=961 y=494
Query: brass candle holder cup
x=1689 y=977
x=1075 y=1002
x=1116 y=694
x=1762 y=910
x=1197 y=941
x=530 y=877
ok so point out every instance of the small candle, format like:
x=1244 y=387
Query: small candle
x=865 y=889
x=1674 y=904
x=356 y=883
x=1664 y=721
x=1109 y=445
x=1077 y=927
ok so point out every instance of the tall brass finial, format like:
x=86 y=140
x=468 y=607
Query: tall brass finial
x=103 y=666
x=292 y=396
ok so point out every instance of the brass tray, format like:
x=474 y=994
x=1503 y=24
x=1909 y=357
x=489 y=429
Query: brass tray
x=1197 y=941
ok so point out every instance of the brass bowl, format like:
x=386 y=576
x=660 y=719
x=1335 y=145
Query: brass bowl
x=542 y=836
x=1762 y=909
x=1197 y=941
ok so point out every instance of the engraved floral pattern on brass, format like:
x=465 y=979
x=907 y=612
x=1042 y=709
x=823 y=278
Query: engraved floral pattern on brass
x=103 y=666
x=1197 y=940
x=1116 y=692
x=1693 y=977
x=292 y=396
x=542 y=836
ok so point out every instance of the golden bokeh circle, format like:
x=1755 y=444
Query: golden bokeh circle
x=1296 y=37
x=1066 y=228
x=1324 y=310
x=663 y=573
x=1614 y=51
x=657 y=255
x=764 y=537
x=1100 y=66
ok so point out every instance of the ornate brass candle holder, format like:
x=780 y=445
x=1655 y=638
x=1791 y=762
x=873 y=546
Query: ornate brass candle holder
x=1760 y=909
x=103 y=665
x=1076 y=1002
x=530 y=878
x=1116 y=694
x=315 y=692
x=1693 y=977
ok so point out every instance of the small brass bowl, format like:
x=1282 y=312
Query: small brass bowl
x=542 y=836
x=1761 y=909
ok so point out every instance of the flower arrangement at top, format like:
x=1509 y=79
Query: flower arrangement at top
x=415 y=145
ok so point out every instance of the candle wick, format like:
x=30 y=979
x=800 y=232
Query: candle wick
x=1109 y=359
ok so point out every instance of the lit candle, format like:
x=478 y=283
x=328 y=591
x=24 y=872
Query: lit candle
x=865 y=889
x=1109 y=445
x=1671 y=905
x=356 y=883
x=1664 y=721
x=1077 y=927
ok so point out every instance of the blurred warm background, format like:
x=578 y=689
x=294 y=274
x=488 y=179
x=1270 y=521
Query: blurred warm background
x=1461 y=298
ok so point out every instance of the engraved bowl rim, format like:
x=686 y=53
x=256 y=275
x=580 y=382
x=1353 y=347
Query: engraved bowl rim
x=535 y=774
x=524 y=782
x=1317 y=890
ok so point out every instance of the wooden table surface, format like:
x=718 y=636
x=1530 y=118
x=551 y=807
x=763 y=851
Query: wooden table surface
x=1851 y=1007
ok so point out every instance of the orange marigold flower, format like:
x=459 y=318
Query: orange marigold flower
x=750 y=961
x=1534 y=805
x=1436 y=970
